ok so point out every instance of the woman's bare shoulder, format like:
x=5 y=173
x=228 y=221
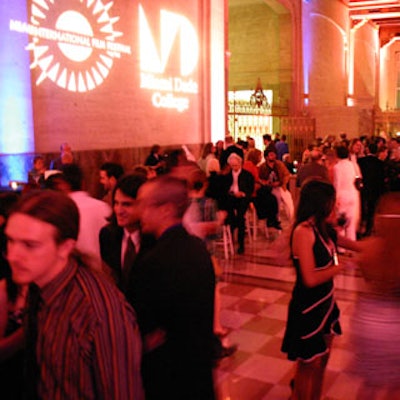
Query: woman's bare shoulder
x=303 y=233
x=303 y=227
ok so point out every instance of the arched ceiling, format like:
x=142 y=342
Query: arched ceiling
x=383 y=13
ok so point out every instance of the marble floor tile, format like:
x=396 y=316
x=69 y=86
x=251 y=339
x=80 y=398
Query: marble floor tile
x=240 y=388
x=278 y=392
x=227 y=300
x=254 y=298
x=236 y=290
x=273 y=348
x=264 y=295
x=264 y=368
x=249 y=306
x=265 y=325
x=249 y=341
x=234 y=319
x=276 y=311
x=231 y=363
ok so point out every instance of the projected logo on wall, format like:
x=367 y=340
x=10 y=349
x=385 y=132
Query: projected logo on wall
x=74 y=48
x=168 y=91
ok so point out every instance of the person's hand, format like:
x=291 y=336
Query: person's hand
x=240 y=194
x=221 y=216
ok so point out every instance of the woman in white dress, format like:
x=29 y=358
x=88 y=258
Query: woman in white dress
x=348 y=200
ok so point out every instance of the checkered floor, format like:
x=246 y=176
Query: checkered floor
x=254 y=296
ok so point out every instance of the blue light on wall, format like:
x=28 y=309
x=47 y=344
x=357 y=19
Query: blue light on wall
x=16 y=122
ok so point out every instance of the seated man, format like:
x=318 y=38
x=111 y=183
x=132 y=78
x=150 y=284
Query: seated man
x=66 y=157
x=36 y=174
x=239 y=185
x=275 y=175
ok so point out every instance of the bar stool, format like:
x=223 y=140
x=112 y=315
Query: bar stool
x=226 y=241
x=252 y=223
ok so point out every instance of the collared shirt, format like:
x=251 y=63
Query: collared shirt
x=135 y=237
x=235 y=184
x=88 y=344
x=93 y=216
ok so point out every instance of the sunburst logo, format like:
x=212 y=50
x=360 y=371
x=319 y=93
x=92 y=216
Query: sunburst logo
x=73 y=43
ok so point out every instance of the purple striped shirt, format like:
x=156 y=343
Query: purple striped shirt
x=88 y=345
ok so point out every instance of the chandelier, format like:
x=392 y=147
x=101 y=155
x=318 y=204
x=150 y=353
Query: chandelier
x=258 y=98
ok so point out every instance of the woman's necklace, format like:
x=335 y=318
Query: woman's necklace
x=330 y=246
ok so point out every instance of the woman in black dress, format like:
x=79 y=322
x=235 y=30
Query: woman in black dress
x=313 y=317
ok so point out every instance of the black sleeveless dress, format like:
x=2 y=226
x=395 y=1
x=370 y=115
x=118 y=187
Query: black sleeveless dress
x=313 y=312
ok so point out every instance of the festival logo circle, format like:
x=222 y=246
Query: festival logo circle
x=73 y=43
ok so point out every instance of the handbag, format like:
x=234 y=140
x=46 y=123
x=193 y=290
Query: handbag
x=359 y=183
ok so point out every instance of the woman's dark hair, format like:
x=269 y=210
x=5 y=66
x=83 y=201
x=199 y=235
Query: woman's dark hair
x=317 y=199
x=207 y=149
x=342 y=152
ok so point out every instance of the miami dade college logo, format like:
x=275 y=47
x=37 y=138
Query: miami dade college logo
x=168 y=91
x=73 y=43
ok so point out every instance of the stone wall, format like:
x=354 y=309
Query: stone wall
x=260 y=47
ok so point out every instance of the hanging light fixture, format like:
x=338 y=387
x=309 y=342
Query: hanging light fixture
x=258 y=98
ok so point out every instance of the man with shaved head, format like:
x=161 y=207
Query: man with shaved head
x=172 y=291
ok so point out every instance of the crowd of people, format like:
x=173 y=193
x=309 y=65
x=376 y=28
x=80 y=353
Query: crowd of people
x=118 y=297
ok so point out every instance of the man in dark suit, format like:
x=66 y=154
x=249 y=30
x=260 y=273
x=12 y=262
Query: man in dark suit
x=373 y=173
x=239 y=186
x=268 y=143
x=115 y=249
x=172 y=291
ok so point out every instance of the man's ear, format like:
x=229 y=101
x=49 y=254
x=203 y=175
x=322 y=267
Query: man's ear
x=66 y=248
x=113 y=181
x=167 y=211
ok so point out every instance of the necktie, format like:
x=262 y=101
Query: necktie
x=129 y=257
x=31 y=368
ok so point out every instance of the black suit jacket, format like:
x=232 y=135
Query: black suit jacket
x=373 y=172
x=172 y=289
x=110 y=238
x=110 y=249
x=245 y=182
